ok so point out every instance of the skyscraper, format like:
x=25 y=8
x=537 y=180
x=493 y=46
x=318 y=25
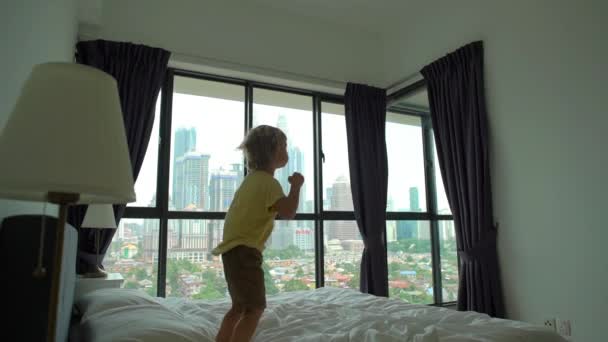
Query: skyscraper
x=222 y=185
x=185 y=141
x=342 y=200
x=407 y=230
x=295 y=164
x=283 y=234
x=305 y=239
x=190 y=189
x=412 y=229
x=414 y=200
x=446 y=230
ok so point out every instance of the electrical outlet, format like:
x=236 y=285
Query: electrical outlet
x=562 y=326
x=550 y=323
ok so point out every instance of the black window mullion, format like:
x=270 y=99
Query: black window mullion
x=318 y=193
x=141 y=213
x=408 y=216
x=431 y=199
x=162 y=189
x=248 y=116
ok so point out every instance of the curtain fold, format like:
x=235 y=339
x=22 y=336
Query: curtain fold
x=458 y=111
x=139 y=71
x=365 y=112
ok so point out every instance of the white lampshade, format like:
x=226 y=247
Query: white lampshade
x=99 y=216
x=66 y=134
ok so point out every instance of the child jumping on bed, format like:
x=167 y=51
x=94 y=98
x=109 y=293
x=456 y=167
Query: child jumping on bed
x=248 y=224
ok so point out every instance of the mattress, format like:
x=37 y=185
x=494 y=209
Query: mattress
x=324 y=314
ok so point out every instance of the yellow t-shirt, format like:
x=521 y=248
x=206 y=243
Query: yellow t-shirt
x=250 y=218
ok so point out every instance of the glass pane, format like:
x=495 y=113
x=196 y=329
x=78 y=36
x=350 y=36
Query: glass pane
x=443 y=206
x=145 y=185
x=134 y=254
x=449 y=260
x=343 y=250
x=191 y=270
x=293 y=115
x=289 y=257
x=337 y=194
x=410 y=270
x=207 y=127
x=406 y=185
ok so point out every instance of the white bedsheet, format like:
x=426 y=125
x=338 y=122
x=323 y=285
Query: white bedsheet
x=339 y=315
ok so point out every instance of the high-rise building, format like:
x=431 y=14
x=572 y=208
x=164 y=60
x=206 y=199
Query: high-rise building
x=222 y=186
x=237 y=168
x=414 y=200
x=391 y=231
x=407 y=230
x=342 y=200
x=190 y=188
x=295 y=164
x=341 y=196
x=187 y=240
x=446 y=230
x=283 y=234
x=185 y=141
x=305 y=239
x=150 y=241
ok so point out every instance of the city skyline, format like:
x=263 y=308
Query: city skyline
x=219 y=140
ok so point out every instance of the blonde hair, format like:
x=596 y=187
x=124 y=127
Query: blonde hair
x=260 y=146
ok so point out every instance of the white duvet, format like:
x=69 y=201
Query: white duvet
x=339 y=315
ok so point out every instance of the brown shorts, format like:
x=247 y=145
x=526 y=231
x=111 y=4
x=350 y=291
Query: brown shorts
x=245 y=277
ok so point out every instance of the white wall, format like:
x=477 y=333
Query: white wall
x=546 y=78
x=32 y=32
x=244 y=36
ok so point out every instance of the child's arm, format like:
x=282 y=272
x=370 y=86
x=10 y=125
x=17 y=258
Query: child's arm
x=287 y=206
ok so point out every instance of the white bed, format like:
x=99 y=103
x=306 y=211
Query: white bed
x=325 y=314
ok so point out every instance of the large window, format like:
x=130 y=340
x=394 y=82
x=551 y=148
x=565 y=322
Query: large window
x=422 y=258
x=193 y=168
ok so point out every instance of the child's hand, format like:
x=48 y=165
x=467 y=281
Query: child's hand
x=296 y=179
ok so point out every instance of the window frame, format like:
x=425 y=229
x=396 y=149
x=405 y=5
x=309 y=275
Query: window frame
x=162 y=212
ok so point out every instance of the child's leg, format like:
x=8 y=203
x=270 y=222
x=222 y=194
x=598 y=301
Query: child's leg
x=245 y=328
x=227 y=328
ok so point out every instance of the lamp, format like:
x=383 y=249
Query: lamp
x=65 y=143
x=99 y=216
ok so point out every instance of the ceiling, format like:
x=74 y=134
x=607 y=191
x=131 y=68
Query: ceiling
x=375 y=16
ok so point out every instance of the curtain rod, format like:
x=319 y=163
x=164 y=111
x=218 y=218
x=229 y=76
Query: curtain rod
x=404 y=83
x=225 y=68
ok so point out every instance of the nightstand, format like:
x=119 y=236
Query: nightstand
x=85 y=285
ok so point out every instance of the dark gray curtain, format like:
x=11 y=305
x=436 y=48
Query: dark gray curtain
x=365 y=131
x=139 y=71
x=458 y=111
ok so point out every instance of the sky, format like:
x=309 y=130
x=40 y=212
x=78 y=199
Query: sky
x=220 y=129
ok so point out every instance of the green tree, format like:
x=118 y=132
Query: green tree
x=290 y=252
x=131 y=285
x=348 y=267
x=299 y=272
x=295 y=285
x=268 y=281
x=354 y=282
x=152 y=291
x=141 y=274
x=208 y=292
x=177 y=267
